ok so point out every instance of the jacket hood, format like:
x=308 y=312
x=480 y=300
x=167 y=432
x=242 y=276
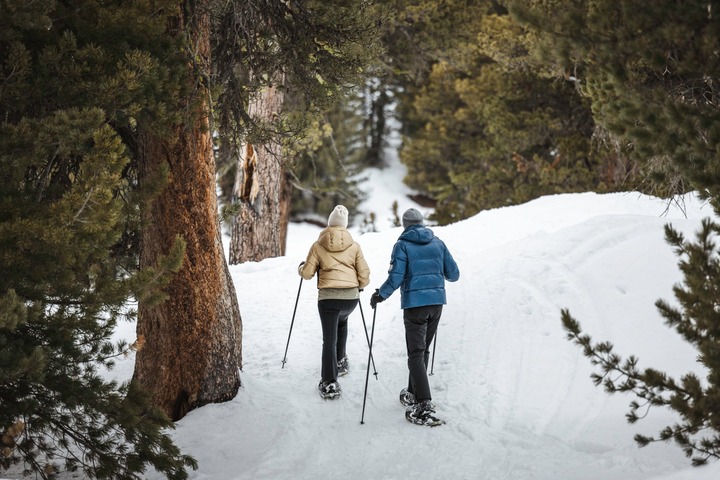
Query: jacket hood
x=417 y=234
x=335 y=239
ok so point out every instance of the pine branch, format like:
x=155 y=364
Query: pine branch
x=656 y=389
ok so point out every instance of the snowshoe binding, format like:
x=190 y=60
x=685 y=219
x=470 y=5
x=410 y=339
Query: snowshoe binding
x=343 y=366
x=407 y=399
x=329 y=390
x=423 y=413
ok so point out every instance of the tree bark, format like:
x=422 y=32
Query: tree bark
x=261 y=189
x=191 y=344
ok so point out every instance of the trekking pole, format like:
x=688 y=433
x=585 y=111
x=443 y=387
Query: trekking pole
x=368 y=340
x=367 y=373
x=284 y=360
x=432 y=365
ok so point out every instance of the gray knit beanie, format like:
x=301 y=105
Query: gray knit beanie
x=412 y=217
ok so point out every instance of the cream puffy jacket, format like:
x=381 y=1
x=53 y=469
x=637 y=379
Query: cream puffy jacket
x=338 y=260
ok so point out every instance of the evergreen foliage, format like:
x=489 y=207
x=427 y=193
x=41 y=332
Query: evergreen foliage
x=484 y=123
x=75 y=80
x=696 y=400
x=317 y=50
x=319 y=45
x=651 y=73
x=329 y=160
x=492 y=139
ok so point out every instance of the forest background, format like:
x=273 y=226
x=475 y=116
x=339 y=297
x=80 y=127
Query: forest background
x=121 y=120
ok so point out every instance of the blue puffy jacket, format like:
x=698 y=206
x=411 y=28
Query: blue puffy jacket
x=419 y=266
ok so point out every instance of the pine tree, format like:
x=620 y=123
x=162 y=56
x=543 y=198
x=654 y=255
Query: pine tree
x=61 y=212
x=484 y=123
x=76 y=79
x=378 y=98
x=651 y=73
x=308 y=51
x=695 y=400
x=192 y=343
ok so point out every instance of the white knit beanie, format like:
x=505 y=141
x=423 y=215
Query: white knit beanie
x=338 y=217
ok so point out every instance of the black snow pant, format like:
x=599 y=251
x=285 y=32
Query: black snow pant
x=420 y=326
x=334 y=316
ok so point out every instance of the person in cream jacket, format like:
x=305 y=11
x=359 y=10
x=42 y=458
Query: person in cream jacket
x=342 y=273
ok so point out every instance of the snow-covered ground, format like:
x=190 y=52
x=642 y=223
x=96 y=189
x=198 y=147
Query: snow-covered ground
x=515 y=393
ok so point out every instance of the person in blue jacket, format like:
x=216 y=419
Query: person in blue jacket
x=419 y=265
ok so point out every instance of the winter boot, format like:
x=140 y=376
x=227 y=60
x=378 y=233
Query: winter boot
x=329 y=390
x=343 y=366
x=423 y=413
x=407 y=398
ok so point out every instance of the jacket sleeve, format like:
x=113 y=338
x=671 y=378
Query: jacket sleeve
x=396 y=273
x=311 y=265
x=363 y=271
x=450 y=268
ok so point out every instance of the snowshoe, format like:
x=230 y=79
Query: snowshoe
x=423 y=413
x=343 y=366
x=407 y=399
x=329 y=390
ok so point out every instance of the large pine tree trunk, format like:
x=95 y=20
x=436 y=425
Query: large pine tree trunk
x=191 y=353
x=262 y=190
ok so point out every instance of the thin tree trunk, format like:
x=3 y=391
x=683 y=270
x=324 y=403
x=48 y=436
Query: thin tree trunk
x=191 y=353
x=262 y=190
x=286 y=190
x=376 y=122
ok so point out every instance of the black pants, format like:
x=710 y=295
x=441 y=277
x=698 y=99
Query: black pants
x=334 y=316
x=420 y=326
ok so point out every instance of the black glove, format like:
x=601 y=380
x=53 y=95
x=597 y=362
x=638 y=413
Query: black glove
x=376 y=298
